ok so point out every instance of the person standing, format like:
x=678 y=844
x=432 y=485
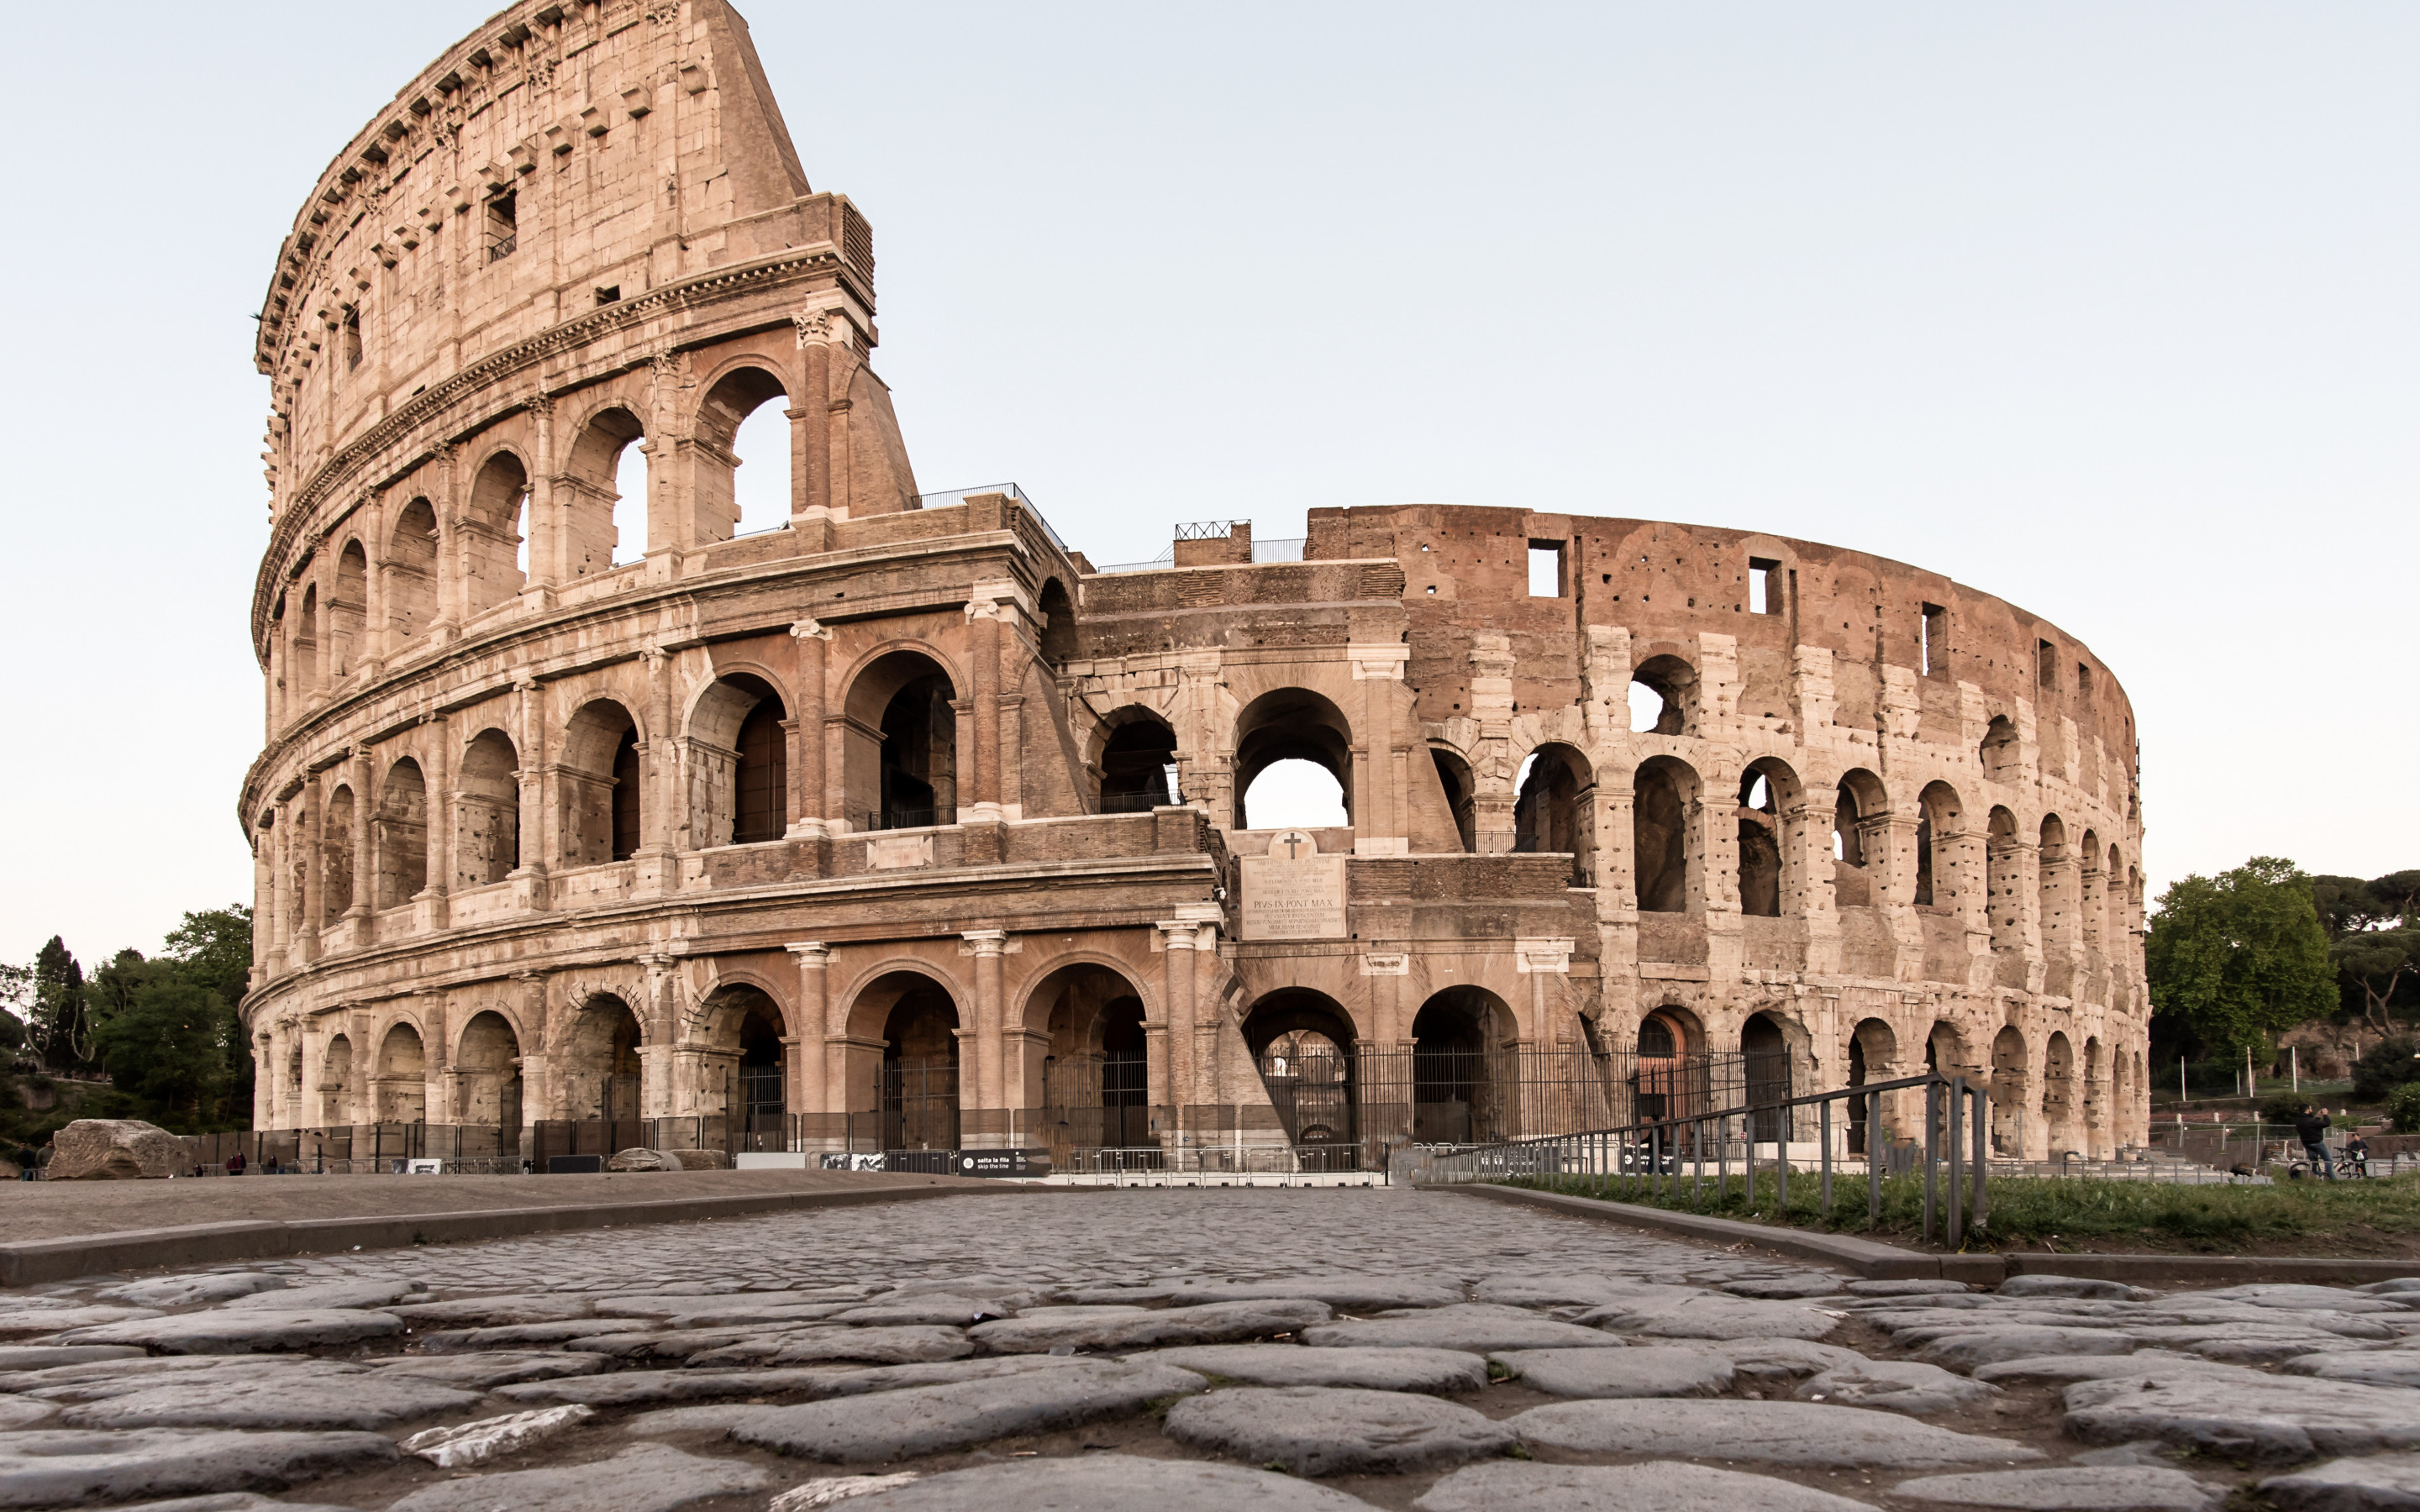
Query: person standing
x=2312 y=1125
x=236 y=1163
x=28 y=1164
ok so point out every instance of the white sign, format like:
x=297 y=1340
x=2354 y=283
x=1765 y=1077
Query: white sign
x=423 y=1167
x=1294 y=892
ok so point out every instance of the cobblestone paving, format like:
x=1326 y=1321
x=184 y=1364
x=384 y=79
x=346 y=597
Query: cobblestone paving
x=1181 y=1348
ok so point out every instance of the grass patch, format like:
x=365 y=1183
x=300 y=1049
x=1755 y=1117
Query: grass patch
x=2027 y=1210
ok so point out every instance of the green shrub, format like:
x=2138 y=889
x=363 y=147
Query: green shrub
x=2404 y=1108
x=2391 y=1063
x=2282 y=1107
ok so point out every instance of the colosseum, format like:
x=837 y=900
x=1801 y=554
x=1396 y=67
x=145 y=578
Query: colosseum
x=595 y=812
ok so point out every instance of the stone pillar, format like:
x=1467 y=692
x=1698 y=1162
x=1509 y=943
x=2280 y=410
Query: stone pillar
x=810 y=481
x=314 y=883
x=986 y=1082
x=812 y=644
x=360 y=931
x=984 y=618
x=1540 y=960
x=811 y=1081
x=534 y=788
x=546 y=532
x=430 y=909
x=1171 y=1076
x=1379 y=826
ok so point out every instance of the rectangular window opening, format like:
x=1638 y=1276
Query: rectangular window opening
x=352 y=337
x=1933 y=638
x=1545 y=569
x=609 y=294
x=2046 y=664
x=502 y=228
x=2083 y=681
x=1762 y=583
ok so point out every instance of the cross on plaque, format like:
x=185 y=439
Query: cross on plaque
x=1294 y=840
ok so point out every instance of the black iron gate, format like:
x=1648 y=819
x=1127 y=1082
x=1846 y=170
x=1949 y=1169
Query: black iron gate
x=920 y=1107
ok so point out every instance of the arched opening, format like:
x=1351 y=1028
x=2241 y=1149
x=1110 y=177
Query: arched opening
x=411 y=572
x=1939 y=823
x=599 y=785
x=1663 y=1084
x=900 y=763
x=600 y=1063
x=2006 y=889
x=739 y=423
x=2092 y=900
x=603 y=495
x=487 y=811
x=496 y=543
x=2054 y=875
x=1460 y=795
x=1873 y=1048
x=920 y=1069
x=335 y=1075
x=1764 y=1050
x=2121 y=919
x=1139 y=765
x=1293 y=766
x=1664 y=696
x=2058 y=1094
x=347 y=610
x=1555 y=810
x=489 y=1061
x=1999 y=751
x=1095 y=1073
x=740 y=750
x=1859 y=837
x=1460 y=1082
x=402 y=1085
x=1662 y=848
x=1058 y=624
x=1303 y=1042
x=2008 y=1087
x=336 y=857
x=745 y=1045
x=399 y=839
x=1765 y=787
x=302 y=659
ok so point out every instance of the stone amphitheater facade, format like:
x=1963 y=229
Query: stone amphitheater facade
x=904 y=823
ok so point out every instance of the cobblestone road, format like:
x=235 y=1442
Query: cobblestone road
x=1333 y=1348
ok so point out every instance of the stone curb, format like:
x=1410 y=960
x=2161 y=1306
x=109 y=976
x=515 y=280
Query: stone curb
x=1878 y=1262
x=36 y=1261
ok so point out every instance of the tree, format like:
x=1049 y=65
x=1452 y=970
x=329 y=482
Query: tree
x=59 y=1030
x=166 y=1044
x=2238 y=956
x=2374 y=937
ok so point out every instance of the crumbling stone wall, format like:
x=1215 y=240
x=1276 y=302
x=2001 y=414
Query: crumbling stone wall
x=540 y=835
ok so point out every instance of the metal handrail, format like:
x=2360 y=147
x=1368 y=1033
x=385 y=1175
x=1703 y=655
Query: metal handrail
x=1614 y=1155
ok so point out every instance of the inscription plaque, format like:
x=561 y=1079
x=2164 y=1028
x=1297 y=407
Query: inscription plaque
x=1294 y=892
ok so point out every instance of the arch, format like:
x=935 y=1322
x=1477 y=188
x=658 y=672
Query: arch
x=1464 y=1067
x=1670 y=1074
x=2058 y=1098
x=739 y=749
x=302 y=654
x=335 y=1074
x=1058 y=612
x=601 y=527
x=599 y=1064
x=399 y=835
x=1940 y=819
x=337 y=857
x=487 y=1061
x=409 y=570
x=1290 y=724
x=2055 y=887
x=1860 y=838
x=1086 y=1020
x=1873 y=1047
x=2009 y=1077
x=734 y=398
x=1303 y=1042
x=1139 y=764
x=2122 y=918
x=1764 y=1051
x=496 y=529
x=1556 y=809
x=347 y=611
x=402 y=1087
x=900 y=764
x=745 y=1030
x=1461 y=791
x=601 y=791
x=1672 y=684
x=486 y=811
x=1999 y=751
x=1770 y=821
x=2005 y=883
x=2091 y=896
x=919 y=1087
x=1666 y=849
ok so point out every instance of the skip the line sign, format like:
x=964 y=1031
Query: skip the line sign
x=1294 y=892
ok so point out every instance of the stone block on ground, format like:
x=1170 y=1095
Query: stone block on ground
x=16 y=1357
x=1910 y=1286
x=1717 y=1316
x=2065 y=1489
x=2246 y=1415
x=462 y=1444
x=1211 y=1323
x=497 y=1312
x=34 y=1322
x=191 y=1291
x=1895 y=1386
x=2070 y=1285
x=908 y=1312
x=638 y=1387
x=1661 y=1485
x=2064 y=1367
x=1473 y=1328
x=2380 y=1483
x=115 y=1149
x=328 y=1294
x=646 y=1477
x=1574 y=1291
x=1348 y=1293
x=1780 y=1433
x=2371 y=1368
x=1111 y=1483
x=302 y=1394
x=228 y=1331
x=1768 y=1359
x=486 y=1372
x=818 y=1346
x=22 y=1413
x=1640 y=1372
x=230 y=1502
x=1325 y=1430
x=69 y=1467
x=1291 y=1364
x=1966 y=1351
x=1783 y=1287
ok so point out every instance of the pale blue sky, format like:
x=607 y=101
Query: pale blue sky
x=2109 y=310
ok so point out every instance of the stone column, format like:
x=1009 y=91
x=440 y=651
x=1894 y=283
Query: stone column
x=533 y=788
x=307 y=833
x=811 y=490
x=811 y=1090
x=1172 y=1078
x=546 y=533
x=360 y=931
x=986 y=1082
x=812 y=643
x=984 y=636
x=430 y=909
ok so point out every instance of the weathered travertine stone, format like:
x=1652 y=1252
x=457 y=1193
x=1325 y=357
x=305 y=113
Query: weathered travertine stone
x=1964 y=1350
x=114 y=1149
x=2070 y=1285
x=462 y=1444
x=303 y=1394
x=953 y=1312
x=1474 y=1329
x=1324 y=1430
x=1771 y=1358
x=1641 y=1372
x=1895 y=1386
x=1663 y=1486
x=22 y=1412
x=67 y=1467
x=2137 y=1489
x=814 y=1345
x=191 y=1291
x=59 y=1319
x=232 y=1502
x=631 y=1388
x=1346 y=1294
x=486 y=1371
x=1781 y=1287
x=2245 y=1414
x=1211 y=1323
x=1719 y=1317
x=1291 y=1365
x=2380 y=1483
x=831 y=1490
x=1111 y=1483
x=1908 y=1288
x=1782 y=1433
x=497 y=1312
x=507 y=1335
x=2371 y=1368
x=228 y=1331
x=331 y=1294
x=646 y=1477
x=2064 y=1367
x=634 y=1387
x=17 y=1357
x=935 y=1419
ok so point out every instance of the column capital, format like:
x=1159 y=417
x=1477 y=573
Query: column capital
x=1182 y=934
x=812 y=954
x=809 y=629
x=984 y=942
x=1547 y=956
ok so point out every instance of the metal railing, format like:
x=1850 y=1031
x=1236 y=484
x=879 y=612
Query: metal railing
x=1643 y=1156
x=876 y=819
